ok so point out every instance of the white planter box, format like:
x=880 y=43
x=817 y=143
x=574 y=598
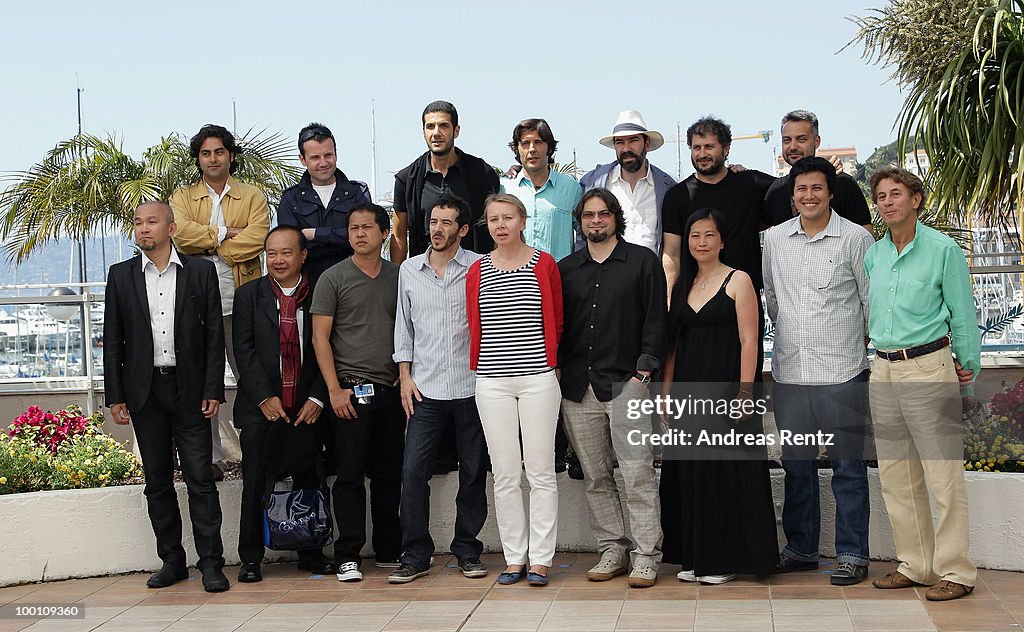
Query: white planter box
x=82 y=533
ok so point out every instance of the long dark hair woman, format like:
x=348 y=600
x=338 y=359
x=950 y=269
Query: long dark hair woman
x=717 y=513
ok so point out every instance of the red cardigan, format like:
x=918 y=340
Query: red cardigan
x=550 y=284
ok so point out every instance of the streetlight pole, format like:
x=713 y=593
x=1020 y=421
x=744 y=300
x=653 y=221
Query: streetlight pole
x=81 y=242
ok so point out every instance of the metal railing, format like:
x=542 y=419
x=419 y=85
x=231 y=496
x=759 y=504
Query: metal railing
x=43 y=338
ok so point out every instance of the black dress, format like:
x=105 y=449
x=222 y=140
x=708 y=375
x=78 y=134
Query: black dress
x=717 y=515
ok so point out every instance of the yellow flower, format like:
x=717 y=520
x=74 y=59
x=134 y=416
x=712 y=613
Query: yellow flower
x=88 y=462
x=3 y=480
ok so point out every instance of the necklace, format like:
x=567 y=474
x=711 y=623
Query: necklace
x=707 y=279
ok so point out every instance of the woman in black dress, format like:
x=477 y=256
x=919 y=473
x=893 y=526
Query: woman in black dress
x=717 y=515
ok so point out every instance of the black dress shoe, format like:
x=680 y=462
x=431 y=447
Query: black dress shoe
x=214 y=580
x=250 y=573
x=316 y=564
x=168 y=575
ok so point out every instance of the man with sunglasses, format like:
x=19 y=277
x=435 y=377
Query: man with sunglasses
x=319 y=204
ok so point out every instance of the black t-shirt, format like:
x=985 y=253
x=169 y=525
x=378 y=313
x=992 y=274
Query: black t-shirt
x=740 y=198
x=847 y=200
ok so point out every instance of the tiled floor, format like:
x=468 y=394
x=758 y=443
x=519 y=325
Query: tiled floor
x=287 y=600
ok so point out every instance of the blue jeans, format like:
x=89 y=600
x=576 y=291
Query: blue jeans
x=840 y=410
x=425 y=431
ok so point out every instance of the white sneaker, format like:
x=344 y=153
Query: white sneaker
x=349 y=572
x=686 y=576
x=716 y=579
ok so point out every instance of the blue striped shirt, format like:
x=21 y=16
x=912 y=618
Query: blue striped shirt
x=431 y=328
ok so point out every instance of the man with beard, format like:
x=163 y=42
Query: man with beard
x=639 y=186
x=800 y=139
x=163 y=361
x=607 y=356
x=437 y=386
x=442 y=169
x=549 y=196
x=739 y=196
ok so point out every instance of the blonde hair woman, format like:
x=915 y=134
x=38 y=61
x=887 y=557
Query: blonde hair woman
x=514 y=304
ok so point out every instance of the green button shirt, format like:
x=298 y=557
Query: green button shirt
x=921 y=294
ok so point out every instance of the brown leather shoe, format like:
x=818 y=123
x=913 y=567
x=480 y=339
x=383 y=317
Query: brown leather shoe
x=894 y=579
x=946 y=590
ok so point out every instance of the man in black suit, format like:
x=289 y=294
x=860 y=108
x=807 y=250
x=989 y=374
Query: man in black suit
x=280 y=392
x=163 y=359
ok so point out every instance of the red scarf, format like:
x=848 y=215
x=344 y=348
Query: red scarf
x=291 y=354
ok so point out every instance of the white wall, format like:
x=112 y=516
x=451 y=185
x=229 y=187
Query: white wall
x=81 y=533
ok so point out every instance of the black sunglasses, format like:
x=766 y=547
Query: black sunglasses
x=313 y=132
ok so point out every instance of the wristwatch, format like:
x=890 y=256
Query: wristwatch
x=643 y=378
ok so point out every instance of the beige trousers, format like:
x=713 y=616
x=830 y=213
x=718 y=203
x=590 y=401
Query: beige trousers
x=915 y=408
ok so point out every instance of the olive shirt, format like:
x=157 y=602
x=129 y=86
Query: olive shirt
x=363 y=309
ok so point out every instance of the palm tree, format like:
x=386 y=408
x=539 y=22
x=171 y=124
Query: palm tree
x=87 y=185
x=961 y=63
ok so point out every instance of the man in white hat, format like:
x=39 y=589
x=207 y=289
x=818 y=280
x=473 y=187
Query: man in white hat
x=638 y=185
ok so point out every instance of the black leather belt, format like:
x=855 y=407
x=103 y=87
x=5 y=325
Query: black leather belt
x=164 y=370
x=914 y=352
x=348 y=381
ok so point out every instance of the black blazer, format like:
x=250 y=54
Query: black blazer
x=128 y=335
x=257 y=341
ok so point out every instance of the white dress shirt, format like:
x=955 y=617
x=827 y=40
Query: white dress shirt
x=639 y=207
x=225 y=275
x=160 y=291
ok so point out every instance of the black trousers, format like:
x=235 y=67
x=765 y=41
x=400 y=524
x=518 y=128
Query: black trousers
x=371 y=445
x=256 y=464
x=165 y=420
x=427 y=427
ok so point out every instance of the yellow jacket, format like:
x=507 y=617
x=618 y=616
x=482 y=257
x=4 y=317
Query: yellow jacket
x=244 y=207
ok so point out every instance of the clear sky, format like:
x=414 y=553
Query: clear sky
x=152 y=68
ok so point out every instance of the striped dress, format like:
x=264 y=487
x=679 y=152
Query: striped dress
x=511 y=321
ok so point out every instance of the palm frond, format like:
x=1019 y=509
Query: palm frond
x=962 y=67
x=87 y=184
x=268 y=163
x=996 y=324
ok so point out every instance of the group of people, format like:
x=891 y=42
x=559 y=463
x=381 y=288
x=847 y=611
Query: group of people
x=513 y=306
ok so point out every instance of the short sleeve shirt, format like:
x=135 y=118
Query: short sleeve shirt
x=363 y=309
x=740 y=199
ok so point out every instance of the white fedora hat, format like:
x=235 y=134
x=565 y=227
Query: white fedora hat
x=631 y=123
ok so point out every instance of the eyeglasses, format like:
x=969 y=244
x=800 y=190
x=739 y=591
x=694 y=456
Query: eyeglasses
x=590 y=215
x=313 y=132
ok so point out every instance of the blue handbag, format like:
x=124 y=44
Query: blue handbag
x=297 y=520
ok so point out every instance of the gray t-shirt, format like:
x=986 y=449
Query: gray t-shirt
x=363 y=309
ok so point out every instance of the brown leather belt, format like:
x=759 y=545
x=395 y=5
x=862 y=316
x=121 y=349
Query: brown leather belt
x=914 y=352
